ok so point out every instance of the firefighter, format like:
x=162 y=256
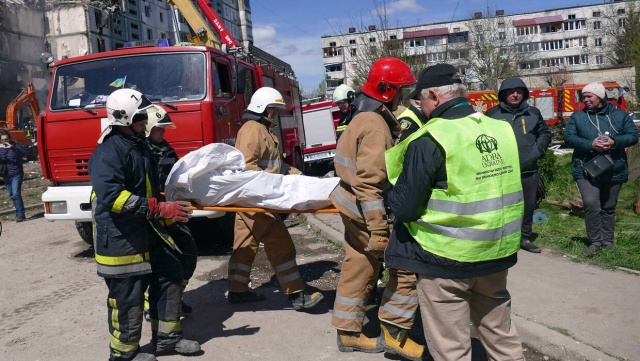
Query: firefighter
x=343 y=96
x=360 y=164
x=132 y=249
x=259 y=146
x=166 y=157
x=399 y=301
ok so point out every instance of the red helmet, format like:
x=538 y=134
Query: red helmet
x=386 y=76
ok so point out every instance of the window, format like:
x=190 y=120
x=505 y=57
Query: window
x=352 y=52
x=393 y=37
x=529 y=65
x=548 y=29
x=372 y=40
x=528 y=47
x=577 y=60
x=622 y=22
x=454 y=55
x=132 y=2
x=548 y=63
x=598 y=42
x=414 y=43
x=455 y=30
x=149 y=34
x=163 y=36
x=436 y=40
x=621 y=11
x=135 y=36
x=458 y=37
x=434 y=57
x=527 y=30
x=552 y=45
x=571 y=16
x=98 y=17
x=134 y=26
x=333 y=67
x=502 y=35
x=133 y=12
x=575 y=43
x=352 y=42
x=221 y=80
x=331 y=52
x=574 y=25
x=333 y=43
x=147 y=11
x=599 y=59
x=161 y=17
x=596 y=25
x=596 y=14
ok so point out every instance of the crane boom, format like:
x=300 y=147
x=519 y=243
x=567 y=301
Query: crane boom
x=205 y=34
x=215 y=20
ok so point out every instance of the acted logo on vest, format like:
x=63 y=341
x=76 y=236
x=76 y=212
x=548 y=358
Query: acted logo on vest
x=492 y=161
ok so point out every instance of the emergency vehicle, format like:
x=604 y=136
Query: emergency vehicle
x=320 y=120
x=204 y=90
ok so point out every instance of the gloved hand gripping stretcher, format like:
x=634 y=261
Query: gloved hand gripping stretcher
x=213 y=178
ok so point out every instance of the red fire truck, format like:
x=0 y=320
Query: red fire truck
x=203 y=89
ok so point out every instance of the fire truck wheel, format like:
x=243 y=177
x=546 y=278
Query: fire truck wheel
x=85 y=230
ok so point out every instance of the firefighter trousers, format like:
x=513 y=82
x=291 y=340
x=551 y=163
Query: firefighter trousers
x=184 y=240
x=400 y=299
x=165 y=294
x=124 y=307
x=250 y=230
x=358 y=277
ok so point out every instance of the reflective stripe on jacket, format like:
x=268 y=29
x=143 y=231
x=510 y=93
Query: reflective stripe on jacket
x=359 y=162
x=478 y=217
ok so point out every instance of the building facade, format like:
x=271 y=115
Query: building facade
x=565 y=44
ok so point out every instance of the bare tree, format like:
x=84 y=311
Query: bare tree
x=372 y=42
x=555 y=77
x=492 y=52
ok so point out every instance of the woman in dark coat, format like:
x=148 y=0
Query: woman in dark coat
x=600 y=128
x=11 y=155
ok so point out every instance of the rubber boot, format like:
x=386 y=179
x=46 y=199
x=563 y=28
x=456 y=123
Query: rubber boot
x=396 y=341
x=301 y=301
x=182 y=347
x=144 y=357
x=349 y=341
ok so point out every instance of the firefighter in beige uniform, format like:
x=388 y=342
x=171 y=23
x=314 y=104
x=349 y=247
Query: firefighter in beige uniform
x=359 y=162
x=259 y=146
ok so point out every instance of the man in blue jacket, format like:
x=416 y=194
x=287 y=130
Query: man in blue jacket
x=11 y=155
x=533 y=137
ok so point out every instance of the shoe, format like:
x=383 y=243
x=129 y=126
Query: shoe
x=185 y=309
x=247 y=296
x=529 y=247
x=610 y=247
x=144 y=357
x=396 y=341
x=21 y=219
x=349 y=341
x=301 y=301
x=182 y=347
x=589 y=250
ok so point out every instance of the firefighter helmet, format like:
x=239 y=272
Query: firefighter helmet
x=121 y=106
x=266 y=97
x=158 y=117
x=386 y=77
x=343 y=92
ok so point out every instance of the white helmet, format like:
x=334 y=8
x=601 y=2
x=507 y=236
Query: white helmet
x=158 y=117
x=343 y=92
x=121 y=106
x=266 y=97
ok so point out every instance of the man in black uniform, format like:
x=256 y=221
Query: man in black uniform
x=132 y=249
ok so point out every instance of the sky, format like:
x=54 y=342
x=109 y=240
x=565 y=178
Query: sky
x=292 y=30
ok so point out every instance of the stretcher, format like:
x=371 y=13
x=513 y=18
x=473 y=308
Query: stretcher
x=232 y=208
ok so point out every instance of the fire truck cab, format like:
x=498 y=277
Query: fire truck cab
x=203 y=89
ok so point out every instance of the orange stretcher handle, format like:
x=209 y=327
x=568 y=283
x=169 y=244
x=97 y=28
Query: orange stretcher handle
x=232 y=208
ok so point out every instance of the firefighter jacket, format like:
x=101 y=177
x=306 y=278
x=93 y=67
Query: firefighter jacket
x=424 y=169
x=531 y=131
x=411 y=119
x=359 y=162
x=123 y=177
x=259 y=146
x=585 y=125
x=166 y=157
x=478 y=217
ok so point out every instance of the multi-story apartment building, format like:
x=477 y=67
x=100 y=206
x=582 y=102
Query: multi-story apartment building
x=569 y=41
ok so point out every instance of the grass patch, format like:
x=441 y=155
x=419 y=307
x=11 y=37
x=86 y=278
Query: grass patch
x=569 y=235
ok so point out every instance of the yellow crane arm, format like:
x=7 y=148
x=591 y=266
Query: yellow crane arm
x=204 y=33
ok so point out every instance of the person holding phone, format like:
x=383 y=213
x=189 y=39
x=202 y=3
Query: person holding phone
x=600 y=128
x=11 y=154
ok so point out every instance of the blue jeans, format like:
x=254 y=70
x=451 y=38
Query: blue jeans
x=14 y=187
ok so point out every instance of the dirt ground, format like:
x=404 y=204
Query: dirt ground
x=51 y=292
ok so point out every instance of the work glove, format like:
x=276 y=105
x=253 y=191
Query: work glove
x=378 y=242
x=169 y=210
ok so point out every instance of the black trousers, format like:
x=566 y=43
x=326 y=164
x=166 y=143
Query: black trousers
x=124 y=305
x=600 y=200
x=529 y=192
